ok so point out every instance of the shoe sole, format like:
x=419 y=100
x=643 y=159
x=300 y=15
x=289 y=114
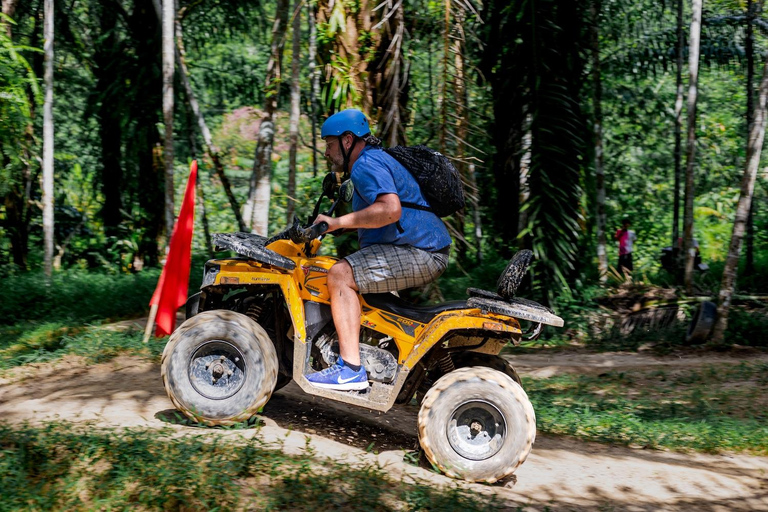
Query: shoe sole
x=349 y=386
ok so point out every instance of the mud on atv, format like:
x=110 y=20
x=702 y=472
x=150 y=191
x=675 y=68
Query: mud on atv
x=263 y=319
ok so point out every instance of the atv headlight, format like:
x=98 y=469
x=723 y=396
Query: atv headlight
x=209 y=274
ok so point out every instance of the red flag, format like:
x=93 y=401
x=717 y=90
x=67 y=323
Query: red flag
x=171 y=291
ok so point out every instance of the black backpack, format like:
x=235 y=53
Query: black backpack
x=438 y=179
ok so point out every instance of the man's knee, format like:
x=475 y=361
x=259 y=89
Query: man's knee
x=341 y=274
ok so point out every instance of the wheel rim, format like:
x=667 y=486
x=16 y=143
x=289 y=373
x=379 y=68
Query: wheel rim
x=476 y=430
x=217 y=370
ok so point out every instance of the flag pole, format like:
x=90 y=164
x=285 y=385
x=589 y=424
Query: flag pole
x=150 y=322
x=171 y=290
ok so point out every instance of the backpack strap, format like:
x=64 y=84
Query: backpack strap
x=412 y=206
x=415 y=206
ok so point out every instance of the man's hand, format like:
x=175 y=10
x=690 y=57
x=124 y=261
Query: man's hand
x=333 y=223
x=384 y=211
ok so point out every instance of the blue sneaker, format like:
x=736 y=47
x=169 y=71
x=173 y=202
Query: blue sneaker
x=341 y=377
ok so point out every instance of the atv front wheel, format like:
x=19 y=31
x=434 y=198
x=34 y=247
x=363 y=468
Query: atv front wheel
x=219 y=367
x=493 y=362
x=476 y=424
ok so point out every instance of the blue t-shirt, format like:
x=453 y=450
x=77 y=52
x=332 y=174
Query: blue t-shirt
x=376 y=173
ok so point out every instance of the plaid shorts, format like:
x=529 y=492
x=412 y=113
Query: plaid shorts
x=384 y=268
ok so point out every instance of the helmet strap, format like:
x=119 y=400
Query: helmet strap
x=346 y=154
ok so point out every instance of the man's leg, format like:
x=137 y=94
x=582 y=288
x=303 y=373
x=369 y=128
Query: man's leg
x=380 y=268
x=345 y=307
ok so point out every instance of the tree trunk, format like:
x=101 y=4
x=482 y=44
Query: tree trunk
x=18 y=196
x=756 y=136
x=145 y=147
x=524 y=191
x=110 y=138
x=199 y=182
x=314 y=78
x=460 y=111
x=750 y=54
x=169 y=16
x=474 y=200
x=295 y=112
x=9 y=8
x=16 y=206
x=257 y=208
x=212 y=150
x=602 y=258
x=388 y=76
x=693 y=67
x=350 y=49
x=444 y=85
x=48 y=141
x=678 y=128
x=109 y=114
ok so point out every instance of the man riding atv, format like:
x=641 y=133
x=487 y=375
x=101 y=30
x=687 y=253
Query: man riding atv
x=400 y=247
x=278 y=312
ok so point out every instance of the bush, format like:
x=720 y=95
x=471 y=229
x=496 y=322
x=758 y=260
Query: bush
x=76 y=296
x=747 y=326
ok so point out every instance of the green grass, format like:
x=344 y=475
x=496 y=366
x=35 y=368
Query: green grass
x=713 y=409
x=41 y=322
x=76 y=296
x=75 y=467
x=42 y=342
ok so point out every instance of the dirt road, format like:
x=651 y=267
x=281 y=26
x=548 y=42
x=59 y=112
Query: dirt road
x=560 y=474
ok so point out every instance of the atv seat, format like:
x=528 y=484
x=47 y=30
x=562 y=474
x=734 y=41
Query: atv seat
x=505 y=303
x=423 y=314
x=485 y=294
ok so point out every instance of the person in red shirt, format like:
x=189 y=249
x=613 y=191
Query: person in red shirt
x=626 y=238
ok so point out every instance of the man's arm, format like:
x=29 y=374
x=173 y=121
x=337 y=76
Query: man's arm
x=383 y=212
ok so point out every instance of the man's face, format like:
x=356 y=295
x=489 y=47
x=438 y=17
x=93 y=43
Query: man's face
x=333 y=153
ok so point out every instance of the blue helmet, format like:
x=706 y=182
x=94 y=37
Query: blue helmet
x=350 y=120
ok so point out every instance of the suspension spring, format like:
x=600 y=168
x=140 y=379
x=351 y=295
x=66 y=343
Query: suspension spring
x=446 y=364
x=254 y=311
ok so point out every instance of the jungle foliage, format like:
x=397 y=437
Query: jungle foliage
x=501 y=86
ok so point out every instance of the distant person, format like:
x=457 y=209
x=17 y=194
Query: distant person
x=697 y=263
x=626 y=238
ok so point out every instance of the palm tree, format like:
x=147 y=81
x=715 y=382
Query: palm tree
x=257 y=208
x=693 y=69
x=602 y=258
x=754 y=149
x=533 y=61
x=48 y=141
x=295 y=105
x=169 y=18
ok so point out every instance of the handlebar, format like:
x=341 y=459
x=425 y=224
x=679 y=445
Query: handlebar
x=315 y=230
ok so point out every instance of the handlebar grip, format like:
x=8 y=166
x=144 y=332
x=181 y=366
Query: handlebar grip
x=316 y=230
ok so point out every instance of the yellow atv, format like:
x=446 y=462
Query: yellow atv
x=264 y=319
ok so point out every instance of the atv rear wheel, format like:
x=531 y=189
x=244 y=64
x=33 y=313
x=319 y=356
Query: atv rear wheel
x=476 y=424
x=219 y=367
